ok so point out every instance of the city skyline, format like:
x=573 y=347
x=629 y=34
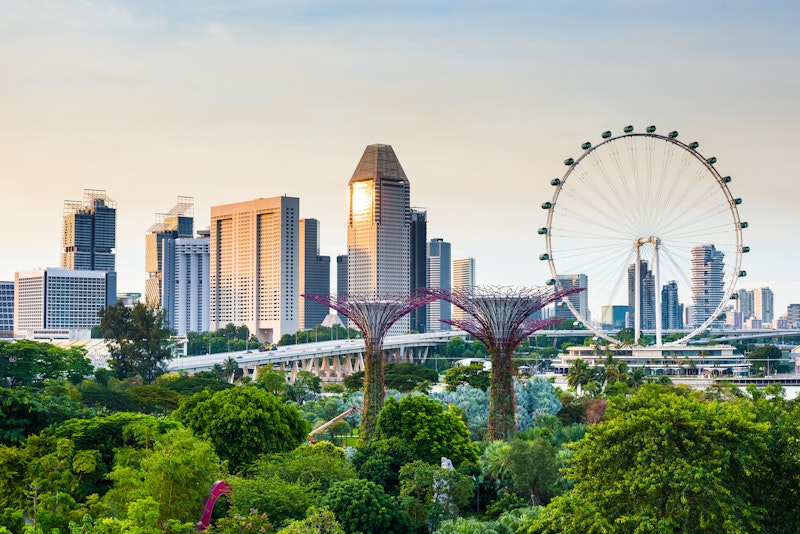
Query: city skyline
x=482 y=103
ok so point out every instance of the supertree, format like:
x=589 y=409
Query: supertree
x=373 y=315
x=501 y=317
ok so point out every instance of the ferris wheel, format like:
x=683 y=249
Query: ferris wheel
x=635 y=213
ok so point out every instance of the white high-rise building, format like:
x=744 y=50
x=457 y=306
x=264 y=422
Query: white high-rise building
x=745 y=304
x=379 y=229
x=254 y=257
x=707 y=283
x=58 y=303
x=463 y=280
x=439 y=277
x=763 y=306
x=187 y=286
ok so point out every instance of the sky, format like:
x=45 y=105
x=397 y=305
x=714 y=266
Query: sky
x=482 y=102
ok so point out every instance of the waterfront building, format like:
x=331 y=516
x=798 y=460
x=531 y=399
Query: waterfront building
x=254 y=256
x=439 y=277
x=314 y=276
x=378 y=229
x=89 y=232
x=58 y=303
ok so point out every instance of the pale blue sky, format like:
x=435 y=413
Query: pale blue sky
x=227 y=101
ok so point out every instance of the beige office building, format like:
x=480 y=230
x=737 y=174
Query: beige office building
x=463 y=279
x=379 y=228
x=254 y=257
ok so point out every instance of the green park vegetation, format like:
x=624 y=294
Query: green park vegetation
x=97 y=451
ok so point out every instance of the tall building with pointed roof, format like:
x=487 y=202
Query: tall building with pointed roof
x=379 y=228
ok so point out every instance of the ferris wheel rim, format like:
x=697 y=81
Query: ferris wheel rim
x=732 y=204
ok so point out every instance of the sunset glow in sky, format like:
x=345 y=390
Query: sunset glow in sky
x=482 y=102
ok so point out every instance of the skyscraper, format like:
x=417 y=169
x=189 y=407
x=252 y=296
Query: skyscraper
x=763 y=304
x=745 y=303
x=178 y=222
x=613 y=317
x=671 y=308
x=707 y=279
x=378 y=228
x=186 y=282
x=463 y=280
x=254 y=260
x=419 y=266
x=439 y=277
x=341 y=274
x=314 y=276
x=6 y=310
x=647 y=296
x=89 y=233
x=580 y=300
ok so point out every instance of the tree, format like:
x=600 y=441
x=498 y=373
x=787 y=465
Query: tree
x=25 y=411
x=317 y=521
x=404 y=377
x=306 y=386
x=533 y=469
x=138 y=340
x=27 y=363
x=474 y=375
x=273 y=381
x=432 y=429
x=380 y=461
x=664 y=461
x=579 y=375
x=430 y=494
x=362 y=506
x=765 y=358
x=243 y=422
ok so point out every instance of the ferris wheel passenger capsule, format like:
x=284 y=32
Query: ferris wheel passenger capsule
x=555 y=181
x=569 y=161
x=737 y=201
x=586 y=146
x=693 y=145
x=551 y=282
x=673 y=134
x=745 y=249
x=742 y=273
x=544 y=257
x=651 y=129
x=743 y=224
x=606 y=134
x=542 y=231
x=712 y=160
x=735 y=296
x=726 y=179
x=628 y=129
x=547 y=205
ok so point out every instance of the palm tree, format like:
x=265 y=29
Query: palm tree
x=230 y=366
x=579 y=375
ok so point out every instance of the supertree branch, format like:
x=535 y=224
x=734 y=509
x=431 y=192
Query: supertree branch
x=501 y=317
x=373 y=315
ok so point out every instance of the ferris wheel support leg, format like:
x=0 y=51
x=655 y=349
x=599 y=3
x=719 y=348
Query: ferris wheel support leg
x=637 y=297
x=657 y=300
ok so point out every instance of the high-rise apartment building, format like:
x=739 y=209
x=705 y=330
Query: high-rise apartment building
x=89 y=233
x=671 y=308
x=647 y=296
x=178 y=222
x=439 y=277
x=419 y=266
x=314 y=275
x=580 y=300
x=254 y=256
x=185 y=282
x=379 y=229
x=6 y=310
x=763 y=304
x=463 y=280
x=613 y=317
x=707 y=283
x=341 y=274
x=745 y=303
x=793 y=315
x=57 y=303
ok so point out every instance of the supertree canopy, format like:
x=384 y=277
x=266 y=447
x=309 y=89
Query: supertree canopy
x=501 y=317
x=373 y=315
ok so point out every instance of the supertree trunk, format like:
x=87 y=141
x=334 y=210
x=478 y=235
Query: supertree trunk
x=373 y=391
x=502 y=402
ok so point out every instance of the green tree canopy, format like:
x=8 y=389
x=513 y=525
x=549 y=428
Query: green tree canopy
x=243 y=422
x=434 y=430
x=474 y=375
x=28 y=363
x=138 y=340
x=362 y=506
x=664 y=461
